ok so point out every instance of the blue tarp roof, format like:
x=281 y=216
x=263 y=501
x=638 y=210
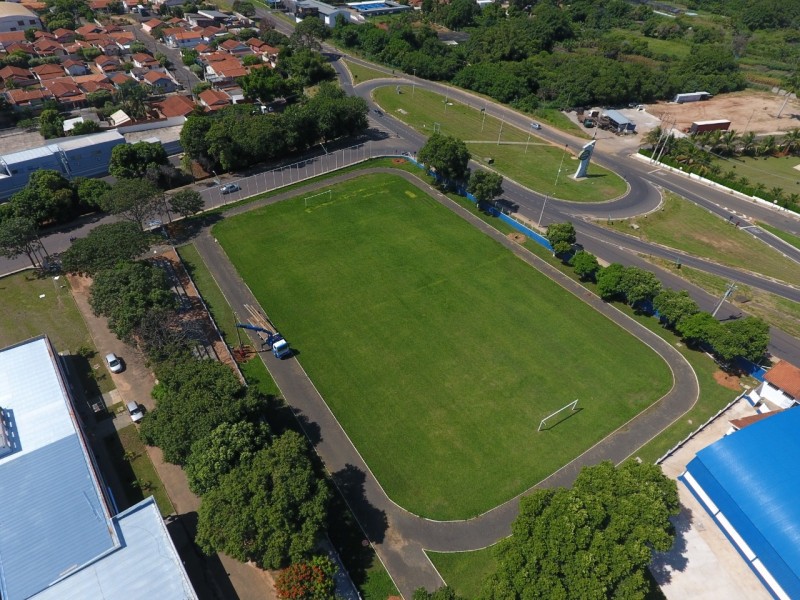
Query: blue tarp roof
x=753 y=477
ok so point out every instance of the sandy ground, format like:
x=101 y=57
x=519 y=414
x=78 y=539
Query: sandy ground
x=702 y=563
x=747 y=111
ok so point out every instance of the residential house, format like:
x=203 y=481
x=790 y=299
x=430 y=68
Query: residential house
x=129 y=5
x=66 y=92
x=88 y=29
x=100 y=5
x=225 y=72
x=148 y=26
x=211 y=33
x=184 y=39
x=17 y=76
x=10 y=37
x=198 y=20
x=108 y=64
x=119 y=79
x=119 y=118
x=140 y=59
x=123 y=39
x=235 y=47
x=175 y=106
x=160 y=81
x=76 y=46
x=62 y=36
x=781 y=387
x=103 y=42
x=46 y=47
x=38 y=35
x=27 y=98
x=24 y=47
x=90 y=87
x=75 y=67
x=203 y=48
x=48 y=71
x=214 y=99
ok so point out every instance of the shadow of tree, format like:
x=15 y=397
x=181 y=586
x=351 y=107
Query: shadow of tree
x=350 y=482
x=665 y=563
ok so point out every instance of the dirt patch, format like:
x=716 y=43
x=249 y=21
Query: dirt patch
x=243 y=354
x=729 y=381
x=398 y=161
x=747 y=111
x=517 y=237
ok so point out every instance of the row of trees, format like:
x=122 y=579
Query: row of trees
x=236 y=138
x=641 y=289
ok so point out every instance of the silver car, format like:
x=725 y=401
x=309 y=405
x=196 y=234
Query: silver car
x=114 y=363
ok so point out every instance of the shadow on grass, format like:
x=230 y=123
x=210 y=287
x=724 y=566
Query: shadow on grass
x=207 y=573
x=127 y=477
x=350 y=482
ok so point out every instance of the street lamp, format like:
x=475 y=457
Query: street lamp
x=414 y=83
x=529 y=137
x=541 y=214
x=483 y=121
x=499 y=133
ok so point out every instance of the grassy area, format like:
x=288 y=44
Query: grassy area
x=465 y=571
x=137 y=473
x=685 y=226
x=378 y=585
x=437 y=368
x=361 y=73
x=786 y=237
x=771 y=171
x=534 y=165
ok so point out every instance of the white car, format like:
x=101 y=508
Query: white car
x=229 y=188
x=135 y=411
x=114 y=363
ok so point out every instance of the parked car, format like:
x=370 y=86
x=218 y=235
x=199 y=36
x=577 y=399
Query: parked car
x=114 y=363
x=536 y=125
x=377 y=112
x=230 y=188
x=135 y=411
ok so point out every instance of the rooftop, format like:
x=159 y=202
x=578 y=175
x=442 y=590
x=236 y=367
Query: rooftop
x=785 y=376
x=14 y=9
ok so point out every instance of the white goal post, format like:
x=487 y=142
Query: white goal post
x=307 y=198
x=571 y=405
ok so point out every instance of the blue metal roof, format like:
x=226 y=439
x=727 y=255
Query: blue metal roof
x=617 y=117
x=753 y=478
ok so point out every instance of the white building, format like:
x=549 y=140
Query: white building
x=15 y=17
x=781 y=386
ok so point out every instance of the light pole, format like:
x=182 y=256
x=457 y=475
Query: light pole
x=414 y=83
x=530 y=126
x=445 y=104
x=541 y=214
x=499 y=133
x=483 y=121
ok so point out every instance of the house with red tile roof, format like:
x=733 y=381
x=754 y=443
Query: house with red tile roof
x=781 y=386
x=108 y=64
x=210 y=33
x=140 y=59
x=18 y=76
x=225 y=71
x=203 y=48
x=103 y=42
x=123 y=39
x=214 y=99
x=88 y=29
x=66 y=92
x=235 y=47
x=48 y=71
x=100 y=5
x=183 y=39
x=175 y=106
x=37 y=35
x=148 y=26
x=10 y=37
x=46 y=47
x=90 y=87
x=27 y=98
x=120 y=78
x=62 y=35
x=24 y=47
x=162 y=81
x=74 y=67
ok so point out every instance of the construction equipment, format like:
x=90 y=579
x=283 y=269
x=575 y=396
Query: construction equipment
x=267 y=332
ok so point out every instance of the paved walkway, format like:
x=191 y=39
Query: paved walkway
x=400 y=537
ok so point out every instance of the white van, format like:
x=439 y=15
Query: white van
x=135 y=411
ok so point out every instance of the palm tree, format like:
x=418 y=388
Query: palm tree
x=748 y=143
x=728 y=142
x=715 y=139
x=652 y=137
x=793 y=199
x=744 y=181
x=777 y=194
x=766 y=147
x=759 y=189
x=791 y=141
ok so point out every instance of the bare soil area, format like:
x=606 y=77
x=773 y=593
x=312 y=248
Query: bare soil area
x=729 y=381
x=747 y=111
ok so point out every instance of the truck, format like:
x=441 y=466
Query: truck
x=715 y=125
x=270 y=339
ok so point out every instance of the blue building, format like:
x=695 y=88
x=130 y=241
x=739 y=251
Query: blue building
x=749 y=482
x=81 y=156
x=61 y=537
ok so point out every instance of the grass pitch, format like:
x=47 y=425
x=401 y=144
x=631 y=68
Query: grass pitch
x=436 y=348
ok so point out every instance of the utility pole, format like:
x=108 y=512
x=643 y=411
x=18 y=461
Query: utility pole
x=728 y=291
x=502 y=121
x=483 y=121
x=544 y=204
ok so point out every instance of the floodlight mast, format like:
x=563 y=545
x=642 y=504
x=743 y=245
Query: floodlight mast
x=572 y=405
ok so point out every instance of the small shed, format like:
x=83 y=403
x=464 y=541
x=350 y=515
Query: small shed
x=119 y=118
x=618 y=121
x=714 y=125
x=691 y=97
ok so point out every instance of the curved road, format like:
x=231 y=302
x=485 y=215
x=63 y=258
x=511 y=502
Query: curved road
x=399 y=536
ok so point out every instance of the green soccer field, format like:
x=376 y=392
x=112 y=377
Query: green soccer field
x=436 y=348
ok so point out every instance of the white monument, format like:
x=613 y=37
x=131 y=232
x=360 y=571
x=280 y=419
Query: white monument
x=584 y=156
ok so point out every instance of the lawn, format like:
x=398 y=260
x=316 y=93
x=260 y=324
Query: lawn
x=136 y=471
x=361 y=73
x=683 y=225
x=771 y=171
x=434 y=346
x=465 y=571
x=786 y=237
x=525 y=158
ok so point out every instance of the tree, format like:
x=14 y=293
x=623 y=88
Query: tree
x=609 y=281
x=264 y=84
x=226 y=447
x=90 y=192
x=698 y=329
x=309 y=33
x=585 y=265
x=446 y=156
x=443 y=593
x=561 y=237
x=128 y=293
x=85 y=127
x=485 y=185
x=269 y=511
x=639 y=285
x=307 y=67
x=131 y=161
x=51 y=124
x=47 y=197
x=134 y=200
x=186 y=202
x=673 y=306
x=19 y=235
x=747 y=337
x=593 y=541
x=194 y=397
x=307 y=580
x=104 y=247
